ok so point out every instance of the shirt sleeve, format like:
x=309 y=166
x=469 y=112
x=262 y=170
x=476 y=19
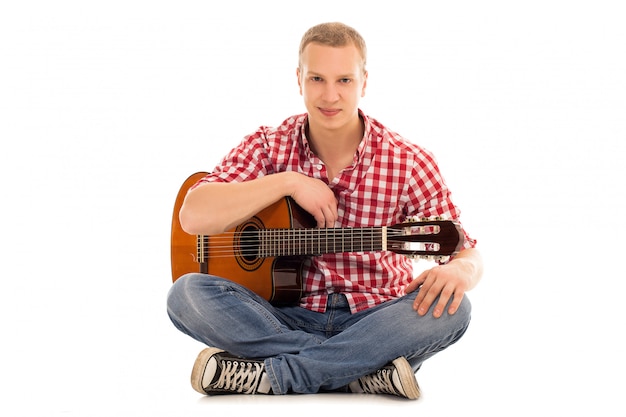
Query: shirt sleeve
x=431 y=196
x=247 y=161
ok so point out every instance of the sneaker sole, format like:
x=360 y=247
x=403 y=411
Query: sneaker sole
x=407 y=378
x=200 y=366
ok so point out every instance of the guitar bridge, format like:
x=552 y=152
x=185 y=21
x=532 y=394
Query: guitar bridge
x=203 y=253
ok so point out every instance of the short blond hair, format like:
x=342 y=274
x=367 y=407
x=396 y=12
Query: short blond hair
x=334 y=34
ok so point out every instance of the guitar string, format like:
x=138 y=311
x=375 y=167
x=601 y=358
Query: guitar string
x=288 y=233
x=255 y=253
x=271 y=252
x=221 y=245
x=321 y=232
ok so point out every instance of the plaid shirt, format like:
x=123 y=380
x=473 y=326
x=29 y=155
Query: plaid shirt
x=389 y=180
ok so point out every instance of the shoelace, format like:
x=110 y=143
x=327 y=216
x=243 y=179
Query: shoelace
x=242 y=377
x=379 y=382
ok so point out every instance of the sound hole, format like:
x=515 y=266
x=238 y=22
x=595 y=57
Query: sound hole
x=247 y=244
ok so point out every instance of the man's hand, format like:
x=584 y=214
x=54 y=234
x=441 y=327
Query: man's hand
x=317 y=198
x=448 y=282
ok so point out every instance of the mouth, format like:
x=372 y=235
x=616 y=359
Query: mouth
x=329 y=112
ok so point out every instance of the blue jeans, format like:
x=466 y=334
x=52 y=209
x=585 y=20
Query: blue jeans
x=306 y=351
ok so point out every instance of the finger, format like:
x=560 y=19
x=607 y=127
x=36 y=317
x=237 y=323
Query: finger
x=419 y=280
x=430 y=291
x=444 y=297
x=320 y=219
x=334 y=210
x=330 y=219
x=456 y=302
x=426 y=295
x=423 y=307
x=414 y=285
x=330 y=216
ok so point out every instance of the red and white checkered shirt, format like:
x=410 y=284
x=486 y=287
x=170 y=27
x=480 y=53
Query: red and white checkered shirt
x=390 y=179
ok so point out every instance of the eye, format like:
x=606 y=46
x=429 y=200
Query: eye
x=345 y=80
x=316 y=79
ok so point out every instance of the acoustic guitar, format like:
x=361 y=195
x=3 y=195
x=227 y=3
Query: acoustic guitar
x=266 y=252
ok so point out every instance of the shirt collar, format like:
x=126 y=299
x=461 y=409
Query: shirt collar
x=362 y=149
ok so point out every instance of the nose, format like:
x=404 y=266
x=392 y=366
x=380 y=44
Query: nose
x=331 y=93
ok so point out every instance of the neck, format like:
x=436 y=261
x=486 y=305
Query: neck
x=336 y=148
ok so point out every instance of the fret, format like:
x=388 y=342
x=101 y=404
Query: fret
x=276 y=242
x=261 y=250
x=302 y=242
x=361 y=241
x=342 y=240
x=282 y=241
x=383 y=238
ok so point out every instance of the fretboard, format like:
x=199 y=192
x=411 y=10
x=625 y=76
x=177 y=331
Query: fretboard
x=294 y=242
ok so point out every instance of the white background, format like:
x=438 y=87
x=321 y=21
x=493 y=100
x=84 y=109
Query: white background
x=106 y=107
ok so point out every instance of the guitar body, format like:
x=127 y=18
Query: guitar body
x=277 y=279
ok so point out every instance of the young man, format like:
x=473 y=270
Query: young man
x=364 y=322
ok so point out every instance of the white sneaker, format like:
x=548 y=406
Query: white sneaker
x=218 y=372
x=397 y=378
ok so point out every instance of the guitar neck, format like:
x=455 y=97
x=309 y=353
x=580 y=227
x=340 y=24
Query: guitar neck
x=306 y=242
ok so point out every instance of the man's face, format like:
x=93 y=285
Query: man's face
x=331 y=82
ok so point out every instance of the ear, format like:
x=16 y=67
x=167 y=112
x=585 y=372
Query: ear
x=364 y=84
x=299 y=80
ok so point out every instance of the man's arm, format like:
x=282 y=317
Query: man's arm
x=213 y=208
